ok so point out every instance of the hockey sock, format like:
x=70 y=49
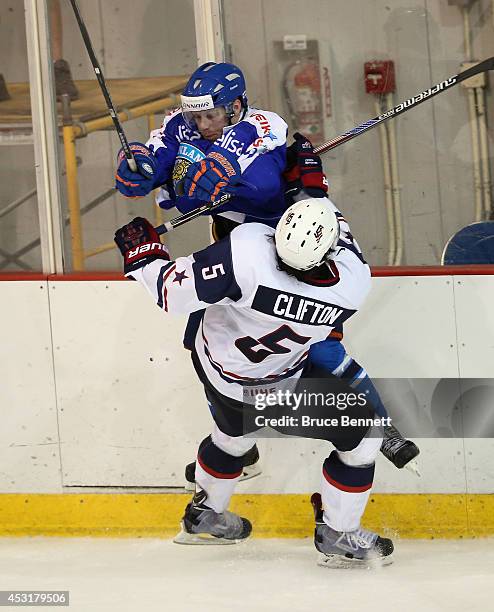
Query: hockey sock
x=345 y=491
x=217 y=473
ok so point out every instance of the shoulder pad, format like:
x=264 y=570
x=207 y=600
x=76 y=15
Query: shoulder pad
x=169 y=125
x=169 y=116
x=268 y=125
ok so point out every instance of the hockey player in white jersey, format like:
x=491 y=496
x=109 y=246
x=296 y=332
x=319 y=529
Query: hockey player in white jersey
x=268 y=296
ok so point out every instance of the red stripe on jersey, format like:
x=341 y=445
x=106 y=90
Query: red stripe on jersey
x=165 y=290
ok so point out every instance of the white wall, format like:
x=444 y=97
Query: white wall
x=425 y=40
x=97 y=391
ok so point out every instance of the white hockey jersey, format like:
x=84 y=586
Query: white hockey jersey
x=259 y=321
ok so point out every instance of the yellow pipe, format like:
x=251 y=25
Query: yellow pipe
x=144 y=109
x=73 y=198
x=101 y=249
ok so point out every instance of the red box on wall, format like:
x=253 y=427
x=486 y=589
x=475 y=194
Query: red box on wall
x=380 y=76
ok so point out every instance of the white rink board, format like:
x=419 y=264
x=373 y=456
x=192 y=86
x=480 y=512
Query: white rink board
x=474 y=301
x=406 y=328
x=131 y=411
x=29 y=448
x=130 y=403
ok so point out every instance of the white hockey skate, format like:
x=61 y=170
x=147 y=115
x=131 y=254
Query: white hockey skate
x=251 y=469
x=202 y=525
x=349 y=549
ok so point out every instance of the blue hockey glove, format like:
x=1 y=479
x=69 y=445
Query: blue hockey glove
x=215 y=173
x=136 y=184
x=139 y=244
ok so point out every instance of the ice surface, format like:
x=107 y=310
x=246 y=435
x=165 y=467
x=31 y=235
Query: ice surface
x=256 y=576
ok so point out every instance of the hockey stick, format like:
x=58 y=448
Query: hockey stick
x=168 y=226
x=101 y=80
x=484 y=66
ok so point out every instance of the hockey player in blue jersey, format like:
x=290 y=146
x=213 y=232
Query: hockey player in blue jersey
x=213 y=145
x=268 y=297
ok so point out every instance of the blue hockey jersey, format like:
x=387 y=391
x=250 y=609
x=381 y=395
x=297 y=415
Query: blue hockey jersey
x=257 y=143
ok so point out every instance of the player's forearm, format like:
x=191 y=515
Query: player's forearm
x=166 y=282
x=164 y=166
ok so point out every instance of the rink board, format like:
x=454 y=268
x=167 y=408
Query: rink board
x=105 y=396
x=127 y=391
x=29 y=440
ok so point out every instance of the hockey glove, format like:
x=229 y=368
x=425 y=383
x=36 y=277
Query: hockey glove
x=215 y=173
x=304 y=170
x=136 y=184
x=139 y=244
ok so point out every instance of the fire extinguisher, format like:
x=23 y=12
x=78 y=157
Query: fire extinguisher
x=302 y=90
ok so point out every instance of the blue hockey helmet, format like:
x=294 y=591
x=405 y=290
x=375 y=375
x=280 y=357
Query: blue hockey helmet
x=213 y=85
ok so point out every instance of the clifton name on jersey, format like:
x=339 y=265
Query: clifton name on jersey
x=259 y=322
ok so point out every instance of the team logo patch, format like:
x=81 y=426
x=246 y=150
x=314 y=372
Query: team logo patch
x=190 y=152
x=179 y=170
x=187 y=155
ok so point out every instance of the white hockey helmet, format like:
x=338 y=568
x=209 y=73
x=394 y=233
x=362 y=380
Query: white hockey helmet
x=306 y=232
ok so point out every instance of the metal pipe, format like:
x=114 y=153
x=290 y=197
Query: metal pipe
x=14 y=258
x=474 y=129
x=477 y=178
x=388 y=194
x=98 y=200
x=484 y=152
x=395 y=184
x=467 y=41
x=13 y=205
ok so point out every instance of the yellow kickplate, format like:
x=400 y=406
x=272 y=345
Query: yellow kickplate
x=272 y=516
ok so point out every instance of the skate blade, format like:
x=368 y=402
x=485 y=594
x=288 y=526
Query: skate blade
x=413 y=466
x=202 y=539
x=341 y=562
x=250 y=471
x=189 y=486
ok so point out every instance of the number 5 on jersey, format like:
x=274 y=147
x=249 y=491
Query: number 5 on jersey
x=213 y=271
